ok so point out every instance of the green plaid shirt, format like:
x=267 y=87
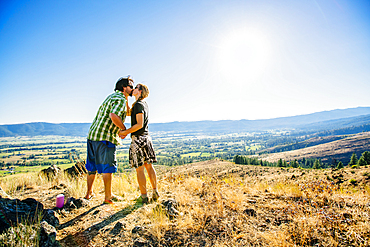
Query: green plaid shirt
x=102 y=128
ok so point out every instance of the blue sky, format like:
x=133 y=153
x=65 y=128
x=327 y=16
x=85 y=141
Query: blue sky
x=202 y=60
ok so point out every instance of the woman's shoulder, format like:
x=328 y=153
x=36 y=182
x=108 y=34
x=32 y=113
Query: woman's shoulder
x=143 y=103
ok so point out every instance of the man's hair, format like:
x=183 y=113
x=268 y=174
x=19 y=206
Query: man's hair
x=123 y=82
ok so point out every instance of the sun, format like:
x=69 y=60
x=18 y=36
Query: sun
x=243 y=55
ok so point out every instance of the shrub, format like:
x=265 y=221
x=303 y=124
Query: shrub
x=353 y=181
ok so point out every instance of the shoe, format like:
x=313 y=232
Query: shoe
x=116 y=198
x=142 y=200
x=155 y=196
x=108 y=202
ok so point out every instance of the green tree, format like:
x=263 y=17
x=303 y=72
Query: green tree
x=366 y=156
x=353 y=160
x=280 y=163
x=285 y=164
x=295 y=164
x=340 y=165
x=361 y=161
x=237 y=159
x=317 y=164
x=334 y=163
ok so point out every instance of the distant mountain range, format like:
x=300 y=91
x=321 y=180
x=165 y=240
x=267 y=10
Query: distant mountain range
x=320 y=121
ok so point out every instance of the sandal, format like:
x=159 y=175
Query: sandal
x=90 y=197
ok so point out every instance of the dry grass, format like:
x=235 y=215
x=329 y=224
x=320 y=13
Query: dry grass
x=220 y=204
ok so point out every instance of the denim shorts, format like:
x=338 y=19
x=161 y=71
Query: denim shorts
x=101 y=157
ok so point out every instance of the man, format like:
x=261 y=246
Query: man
x=103 y=138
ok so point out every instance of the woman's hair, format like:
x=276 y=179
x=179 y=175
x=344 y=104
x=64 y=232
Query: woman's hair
x=144 y=93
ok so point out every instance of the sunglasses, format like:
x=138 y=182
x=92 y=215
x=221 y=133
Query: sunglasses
x=131 y=86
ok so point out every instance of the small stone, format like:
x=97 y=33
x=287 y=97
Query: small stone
x=137 y=229
x=250 y=212
x=117 y=228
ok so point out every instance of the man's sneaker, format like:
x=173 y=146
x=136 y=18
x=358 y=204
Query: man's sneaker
x=142 y=200
x=155 y=196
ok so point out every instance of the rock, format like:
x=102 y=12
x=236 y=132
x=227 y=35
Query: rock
x=141 y=242
x=73 y=203
x=51 y=172
x=49 y=217
x=137 y=229
x=170 y=206
x=250 y=212
x=117 y=228
x=14 y=211
x=58 y=187
x=48 y=235
x=78 y=169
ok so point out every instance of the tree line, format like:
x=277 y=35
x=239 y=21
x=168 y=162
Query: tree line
x=312 y=163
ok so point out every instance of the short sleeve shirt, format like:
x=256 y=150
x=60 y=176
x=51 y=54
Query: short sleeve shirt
x=103 y=128
x=140 y=107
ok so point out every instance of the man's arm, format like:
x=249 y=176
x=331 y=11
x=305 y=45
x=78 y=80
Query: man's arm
x=117 y=121
x=137 y=126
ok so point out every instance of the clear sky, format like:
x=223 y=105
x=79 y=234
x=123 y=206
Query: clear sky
x=202 y=59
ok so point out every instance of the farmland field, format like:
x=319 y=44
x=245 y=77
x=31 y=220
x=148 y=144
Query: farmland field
x=31 y=154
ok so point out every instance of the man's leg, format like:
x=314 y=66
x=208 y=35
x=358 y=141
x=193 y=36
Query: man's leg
x=90 y=182
x=141 y=179
x=107 y=178
x=152 y=175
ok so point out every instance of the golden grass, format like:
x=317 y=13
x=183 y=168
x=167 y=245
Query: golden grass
x=231 y=210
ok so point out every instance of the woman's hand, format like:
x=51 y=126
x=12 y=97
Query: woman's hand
x=123 y=133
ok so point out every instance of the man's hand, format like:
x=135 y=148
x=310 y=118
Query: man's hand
x=123 y=133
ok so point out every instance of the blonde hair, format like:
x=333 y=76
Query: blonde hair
x=144 y=93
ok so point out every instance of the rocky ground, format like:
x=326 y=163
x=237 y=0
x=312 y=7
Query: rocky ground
x=218 y=203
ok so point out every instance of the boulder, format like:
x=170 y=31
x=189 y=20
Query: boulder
x=48 y=235
x=49 y=216
x=78 y=169
x=14 y=211
x=51 y=172
x=73 y=203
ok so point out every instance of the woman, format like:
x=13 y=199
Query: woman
x=141 y=154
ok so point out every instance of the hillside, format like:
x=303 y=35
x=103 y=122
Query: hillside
x=315 y=122
x=212 y=203
x=341 y=149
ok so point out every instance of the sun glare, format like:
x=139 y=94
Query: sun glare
x=244 y=55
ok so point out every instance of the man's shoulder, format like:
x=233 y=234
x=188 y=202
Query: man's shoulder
x=117 y=96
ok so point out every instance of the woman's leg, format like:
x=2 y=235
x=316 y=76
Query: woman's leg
x=141 y=179
x=152 y=175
